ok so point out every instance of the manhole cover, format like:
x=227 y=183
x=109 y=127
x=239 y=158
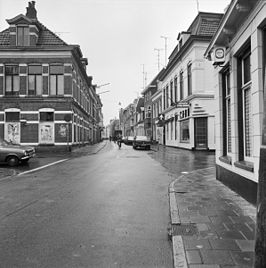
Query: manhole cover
x=185 y=229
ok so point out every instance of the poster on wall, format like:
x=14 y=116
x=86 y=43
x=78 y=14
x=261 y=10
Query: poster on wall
x=62 y=131
x=46 y=133
x=12 y=132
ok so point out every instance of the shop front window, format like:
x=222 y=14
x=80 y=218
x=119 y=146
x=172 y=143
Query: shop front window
x=46 y=127
x=184 y=131
x=12 y=127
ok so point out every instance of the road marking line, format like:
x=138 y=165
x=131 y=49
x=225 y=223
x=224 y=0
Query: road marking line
x=42 y=167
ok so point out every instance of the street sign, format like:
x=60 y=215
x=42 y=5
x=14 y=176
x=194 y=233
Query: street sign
x=161 y=117
x=160 y=122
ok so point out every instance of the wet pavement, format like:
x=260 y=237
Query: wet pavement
x=211 y=226
x=45 y=158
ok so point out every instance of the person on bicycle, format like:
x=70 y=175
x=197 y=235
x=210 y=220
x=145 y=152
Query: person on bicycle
x=119 y=140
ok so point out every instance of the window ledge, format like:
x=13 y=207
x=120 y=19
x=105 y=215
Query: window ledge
x=245 y=165
x=226 y=159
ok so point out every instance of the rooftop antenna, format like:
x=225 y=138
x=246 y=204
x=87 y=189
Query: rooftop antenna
x=197 y=5
x=60 y=33
x=144 y=76
x=165 y=48
x=158 y=57
x=102 y=85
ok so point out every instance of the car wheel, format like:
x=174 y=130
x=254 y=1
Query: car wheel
x=12 y=161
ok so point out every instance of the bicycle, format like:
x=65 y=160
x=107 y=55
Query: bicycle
x=119 y=144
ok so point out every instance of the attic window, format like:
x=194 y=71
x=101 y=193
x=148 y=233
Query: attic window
x=23 y=36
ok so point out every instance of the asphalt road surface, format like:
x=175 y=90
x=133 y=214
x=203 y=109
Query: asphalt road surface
x=105 y=210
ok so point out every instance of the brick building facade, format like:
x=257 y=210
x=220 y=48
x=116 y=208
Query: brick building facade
x=46 y=97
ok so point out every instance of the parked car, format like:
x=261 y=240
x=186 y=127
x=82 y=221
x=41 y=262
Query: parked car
x=142 y=142
x=13 y=154
x=129 y=140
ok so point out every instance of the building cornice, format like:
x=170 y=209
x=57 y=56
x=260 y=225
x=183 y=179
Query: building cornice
x=183 y=50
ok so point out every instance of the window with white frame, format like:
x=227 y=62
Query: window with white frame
x=171 y=93
x=176 y=127
x=148 y=112
x=181 y=85
x=11 y=80
x=244 y=104
x=12 y=116
x=175 y=89
x=172 y=129
x=164 y=98
x=56 y=80
x=184 y=131
x=227 y=128
x=35 y=80
x=167 y=96
x=189 y=79
x=47 y=116
x=246 y=79
x=23 y=36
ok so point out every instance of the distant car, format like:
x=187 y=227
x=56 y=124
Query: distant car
x=13 y=154
x=129 y=140
x=142 y=142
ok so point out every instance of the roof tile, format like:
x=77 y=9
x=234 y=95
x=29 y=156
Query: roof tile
x=208 y=26
x=46 y=38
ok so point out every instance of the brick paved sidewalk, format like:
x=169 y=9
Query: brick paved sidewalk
x=212 y=226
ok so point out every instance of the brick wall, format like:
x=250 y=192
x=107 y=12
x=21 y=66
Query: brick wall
x=29 y=133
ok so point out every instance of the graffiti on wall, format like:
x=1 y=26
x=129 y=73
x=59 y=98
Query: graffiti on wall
x=62 y=131
x=12 y=132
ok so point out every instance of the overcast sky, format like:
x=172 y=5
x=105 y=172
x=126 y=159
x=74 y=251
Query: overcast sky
x=119 y=37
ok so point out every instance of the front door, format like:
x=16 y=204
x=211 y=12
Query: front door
x=201 y=133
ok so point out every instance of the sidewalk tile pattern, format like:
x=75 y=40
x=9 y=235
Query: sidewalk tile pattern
x=223 y=222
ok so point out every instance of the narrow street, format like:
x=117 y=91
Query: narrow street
x=108 y=209
x=104 y=210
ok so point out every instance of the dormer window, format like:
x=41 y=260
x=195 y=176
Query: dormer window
x=23 y=36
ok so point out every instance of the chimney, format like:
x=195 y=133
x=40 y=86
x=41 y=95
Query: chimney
x=90 y=80
x=31 y=11
x=84 y=62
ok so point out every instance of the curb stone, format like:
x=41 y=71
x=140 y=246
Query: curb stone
x=179 y=255
x=209 y=213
